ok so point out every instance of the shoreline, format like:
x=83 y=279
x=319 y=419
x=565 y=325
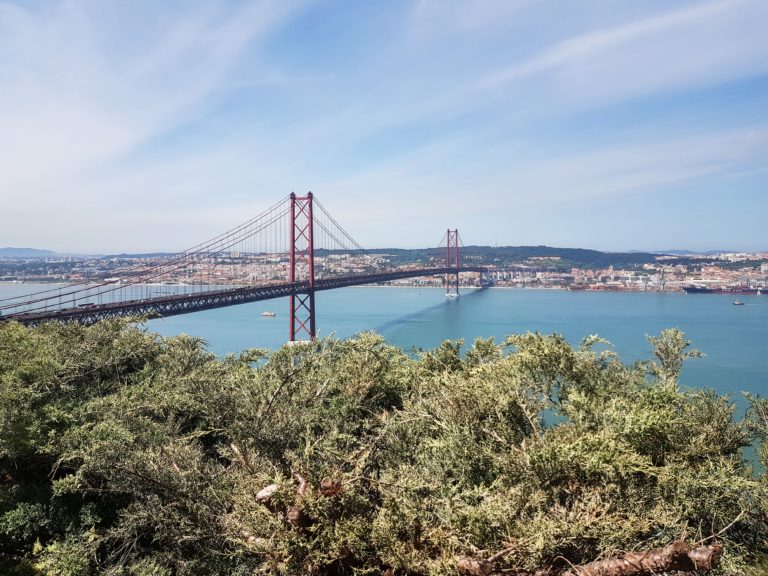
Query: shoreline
x=405 y=286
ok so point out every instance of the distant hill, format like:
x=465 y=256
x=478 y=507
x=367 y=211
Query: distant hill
x=566 y=257
x=547 y=256
x=693 y=252
x=675 y=252
x=138 y=255
x=10 y=252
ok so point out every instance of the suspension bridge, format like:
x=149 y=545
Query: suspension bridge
x=293 y=249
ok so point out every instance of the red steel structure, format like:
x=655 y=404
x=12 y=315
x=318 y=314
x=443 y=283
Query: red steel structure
x=302 y=321
x=452 y=261
x=296 y=228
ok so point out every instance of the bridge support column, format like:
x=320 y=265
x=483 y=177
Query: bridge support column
x=302 y=268
x=451 y=261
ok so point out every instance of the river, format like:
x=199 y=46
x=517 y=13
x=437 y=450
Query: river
x=734 y=338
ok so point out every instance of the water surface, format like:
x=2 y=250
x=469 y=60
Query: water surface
x=734 y=338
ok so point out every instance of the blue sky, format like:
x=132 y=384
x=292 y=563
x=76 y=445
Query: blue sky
x=616 y=125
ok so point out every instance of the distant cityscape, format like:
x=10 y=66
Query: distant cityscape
x=513 y=267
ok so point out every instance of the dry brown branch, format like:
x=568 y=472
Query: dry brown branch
x=472 y=567
x=303 y=486
x=241 y=458
x=728 y=527
x=677 y=556
x=706 y=557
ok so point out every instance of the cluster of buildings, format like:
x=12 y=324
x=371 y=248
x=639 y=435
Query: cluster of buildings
x=664 y=275
x=667 y=273
x=234 y=269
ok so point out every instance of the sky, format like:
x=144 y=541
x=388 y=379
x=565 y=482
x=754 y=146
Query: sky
x=609 y=124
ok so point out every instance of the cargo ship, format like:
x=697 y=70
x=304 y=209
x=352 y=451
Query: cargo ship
x=725 y=290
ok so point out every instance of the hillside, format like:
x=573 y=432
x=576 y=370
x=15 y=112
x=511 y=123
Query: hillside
x=11 y=252
x=561 y=258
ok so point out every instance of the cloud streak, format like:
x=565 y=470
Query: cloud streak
x=148 y=126
x=703 y=45
x=67 y=109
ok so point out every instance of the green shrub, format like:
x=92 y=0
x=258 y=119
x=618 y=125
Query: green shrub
x=128 y=454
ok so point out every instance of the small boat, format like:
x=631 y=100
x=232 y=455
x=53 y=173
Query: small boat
x=738 y=303
x=269 y=314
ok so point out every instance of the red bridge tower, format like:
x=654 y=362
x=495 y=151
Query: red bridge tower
x=302 y=267
x=452 y=260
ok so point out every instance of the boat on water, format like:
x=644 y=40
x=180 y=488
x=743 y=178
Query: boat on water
x=723 y=290
x=268 y=314
x=738 y=303
x=451 y=295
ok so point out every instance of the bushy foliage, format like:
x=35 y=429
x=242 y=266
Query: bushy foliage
x=128 y=454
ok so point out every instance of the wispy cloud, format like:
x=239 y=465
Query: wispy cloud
x=709 y=43
x=149 y=125
x=657 y=54
x=439 y=181
x=622 y=170
x=430 y=19
x=82 y=85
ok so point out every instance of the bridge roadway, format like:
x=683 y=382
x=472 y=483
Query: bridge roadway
x=186 y=303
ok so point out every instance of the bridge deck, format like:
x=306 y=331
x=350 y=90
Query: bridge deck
x=186 y=303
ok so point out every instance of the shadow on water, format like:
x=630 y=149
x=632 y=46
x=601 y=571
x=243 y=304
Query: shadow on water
x=401 y=321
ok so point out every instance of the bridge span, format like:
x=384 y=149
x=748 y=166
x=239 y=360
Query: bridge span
x=318 y=255
x=196 y=302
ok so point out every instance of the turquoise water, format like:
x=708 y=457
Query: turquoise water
x=734 y=338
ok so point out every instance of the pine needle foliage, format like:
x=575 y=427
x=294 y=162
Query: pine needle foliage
x=128 y=454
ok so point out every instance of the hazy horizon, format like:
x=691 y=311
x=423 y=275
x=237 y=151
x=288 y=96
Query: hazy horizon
x=96 y=253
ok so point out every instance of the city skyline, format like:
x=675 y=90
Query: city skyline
x=129 y=128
